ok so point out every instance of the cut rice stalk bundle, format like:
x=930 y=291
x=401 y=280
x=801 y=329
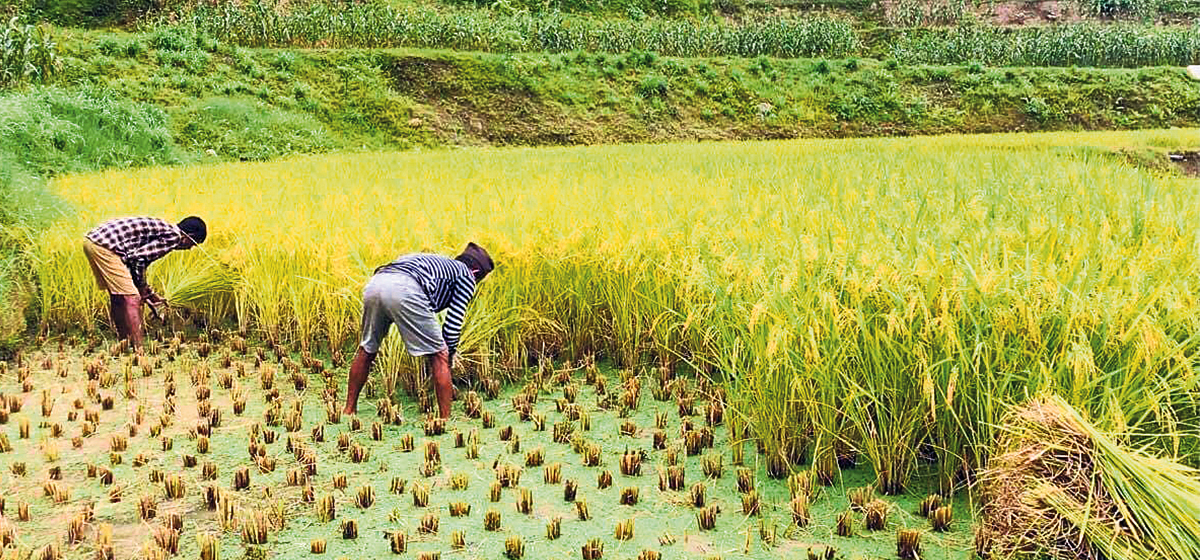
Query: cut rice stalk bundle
x=1060 y=486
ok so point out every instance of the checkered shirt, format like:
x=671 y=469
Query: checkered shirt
x=139 y=241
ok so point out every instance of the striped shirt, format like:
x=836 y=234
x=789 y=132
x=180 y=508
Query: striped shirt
x=447 y=283
x=139 y=241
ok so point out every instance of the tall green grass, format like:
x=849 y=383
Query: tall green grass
x=262 y=24
x=1062 y=45
x=28 y=53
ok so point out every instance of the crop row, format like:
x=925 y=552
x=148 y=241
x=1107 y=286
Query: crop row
x=379 y=26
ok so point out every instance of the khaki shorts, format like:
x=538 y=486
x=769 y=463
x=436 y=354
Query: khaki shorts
x=111 y=273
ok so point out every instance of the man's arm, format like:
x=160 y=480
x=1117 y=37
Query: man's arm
x=158 y=239
x=464 y=290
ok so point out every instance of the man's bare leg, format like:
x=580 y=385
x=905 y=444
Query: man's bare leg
x=359 y=369
x=116 y=312
x=133 y=321
x=440 y=364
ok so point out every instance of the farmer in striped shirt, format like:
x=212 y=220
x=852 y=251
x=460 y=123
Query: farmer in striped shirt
x=119 y=251
x=408 y=292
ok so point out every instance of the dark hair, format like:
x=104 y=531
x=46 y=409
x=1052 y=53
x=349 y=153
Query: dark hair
x=194 y=228
x=477 y=258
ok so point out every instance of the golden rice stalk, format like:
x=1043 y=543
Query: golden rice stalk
x=508 y=476
x=706 y=518
x=458 y=540
x=800 y=510
x=429 y=524
x=241 y=478
x=228 y=511
x=593 y=549
x=358 y=453
x=420 y=495
x=398 y=541
x=317 y=546
x=624 y=530
x=941 y=518
x=460 y=509
x=365 y=497
x=929 y=504
x=75 y=528
x=514 y=548
x=876 y=515
x=210 y=546
x=51 y=551
x=629 y=496
x=745 y=480
x=167 y=539
x=255 y=526
x=174 y=487
x=534 y=458
x=349 y=529
x=908 y=544
x=398 y=485
x=147 y=508
x=604 y=480
x=326 y=511
x=554 y=528
x=751 y=503
x=591 y=455
x=631 y=463
x=494 y=492
x=860 y=497
x=104 y=542
x=525 y=502
x=552 y=474
x=582 y=511
x=697 y=495
x=491 y=520
x=570 y=488
x=435 y=426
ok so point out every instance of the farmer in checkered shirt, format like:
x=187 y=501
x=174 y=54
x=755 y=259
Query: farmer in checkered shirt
x=119 y=251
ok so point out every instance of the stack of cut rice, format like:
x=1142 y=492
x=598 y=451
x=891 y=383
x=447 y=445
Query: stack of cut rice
x=1060 y=488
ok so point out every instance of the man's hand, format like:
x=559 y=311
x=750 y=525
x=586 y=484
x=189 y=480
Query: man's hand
x=156 y=302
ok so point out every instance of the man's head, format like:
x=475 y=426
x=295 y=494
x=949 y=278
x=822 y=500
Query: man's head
x=477 y=260
x=194 y=232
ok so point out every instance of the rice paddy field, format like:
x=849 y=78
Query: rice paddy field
x=863 y=313
x=171 y=452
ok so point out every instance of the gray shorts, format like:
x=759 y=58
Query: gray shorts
x=395 y=298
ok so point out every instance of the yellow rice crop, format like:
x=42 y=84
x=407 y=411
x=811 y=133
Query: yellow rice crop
x=914 y=284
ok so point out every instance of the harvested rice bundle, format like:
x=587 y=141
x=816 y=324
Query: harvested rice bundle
x=1057 y=487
